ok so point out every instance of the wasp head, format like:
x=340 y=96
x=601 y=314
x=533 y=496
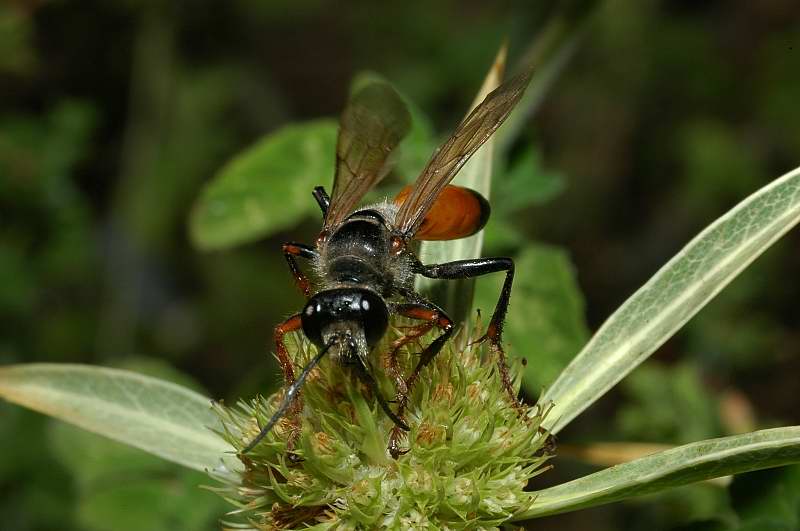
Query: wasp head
x=355 y=312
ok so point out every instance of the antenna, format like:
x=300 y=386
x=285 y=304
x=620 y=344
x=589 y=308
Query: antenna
x=288 y=397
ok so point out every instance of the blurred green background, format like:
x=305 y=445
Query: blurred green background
x=114 y=114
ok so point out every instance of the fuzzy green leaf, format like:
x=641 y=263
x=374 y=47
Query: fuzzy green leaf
x=158 y=417
x=671 y=468
x=266 y=188
x=671 y=297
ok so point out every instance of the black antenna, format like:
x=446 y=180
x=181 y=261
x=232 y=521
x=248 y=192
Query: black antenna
x=288 y=398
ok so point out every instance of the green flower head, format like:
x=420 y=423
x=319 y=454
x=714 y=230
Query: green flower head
x=469 y=452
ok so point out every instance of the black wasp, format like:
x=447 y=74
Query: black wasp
x=364 y=260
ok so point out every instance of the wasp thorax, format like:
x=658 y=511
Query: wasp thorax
x=334 y=311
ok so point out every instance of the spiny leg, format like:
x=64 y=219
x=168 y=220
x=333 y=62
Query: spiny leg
x=292 y=250
x=494 y=333
x=411 y=333
x=433 y=316
x=291 y=324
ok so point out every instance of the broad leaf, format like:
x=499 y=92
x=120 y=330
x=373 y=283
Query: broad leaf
x=769 y=499
x=158 y=417
x=642 y=415
x=526 y=183
x=267 y=188
x=676 y=292
x=415 y=150
x=671 y=468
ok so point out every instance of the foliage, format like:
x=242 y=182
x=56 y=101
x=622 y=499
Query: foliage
x=668 y=114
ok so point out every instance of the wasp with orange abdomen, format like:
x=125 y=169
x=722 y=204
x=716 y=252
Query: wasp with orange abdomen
x=364 y=258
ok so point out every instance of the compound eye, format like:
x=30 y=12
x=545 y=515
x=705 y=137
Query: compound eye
x=374 y=316
x=312 y=319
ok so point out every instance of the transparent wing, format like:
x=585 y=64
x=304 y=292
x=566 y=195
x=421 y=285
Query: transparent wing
x=476 y=129
x=373 y=123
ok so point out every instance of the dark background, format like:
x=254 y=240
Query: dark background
x=114 y=114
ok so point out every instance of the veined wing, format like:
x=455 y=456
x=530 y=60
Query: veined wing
x=373 y=123
x=446 y=161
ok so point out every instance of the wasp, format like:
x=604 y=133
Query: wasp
x=364 y=259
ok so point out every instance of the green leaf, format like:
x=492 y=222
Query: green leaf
x=476 y=174
x=768 y=499
x=418 y=144
x=546 y=322
x=676 y=292
x=526 y=184
x=267 y=188
x=671 y=468
x=158 y=417
x=644 y=417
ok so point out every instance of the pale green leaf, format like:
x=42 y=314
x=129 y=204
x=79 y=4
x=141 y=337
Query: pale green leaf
x=676 y=292
x=158 y=417
x=267 y=188
x=671 y=468
x=476 y=174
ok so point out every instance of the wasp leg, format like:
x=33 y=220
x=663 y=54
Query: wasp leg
x=433 y=317
x=494 y=332
x=323 y=199
x=291 y=324
x=390 y=361
x=292 y=250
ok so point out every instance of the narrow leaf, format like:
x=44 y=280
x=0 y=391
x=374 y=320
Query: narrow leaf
x=158 y=417
x=671 y=468
x=676 y=292
x=267 y=188
x=476 y=174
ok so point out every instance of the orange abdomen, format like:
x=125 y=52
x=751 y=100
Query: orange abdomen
x=457 y=213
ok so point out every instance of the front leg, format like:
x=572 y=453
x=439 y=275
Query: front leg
x=292 y=324
x=494 y=333
x=290 y=252
x=433 y=317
